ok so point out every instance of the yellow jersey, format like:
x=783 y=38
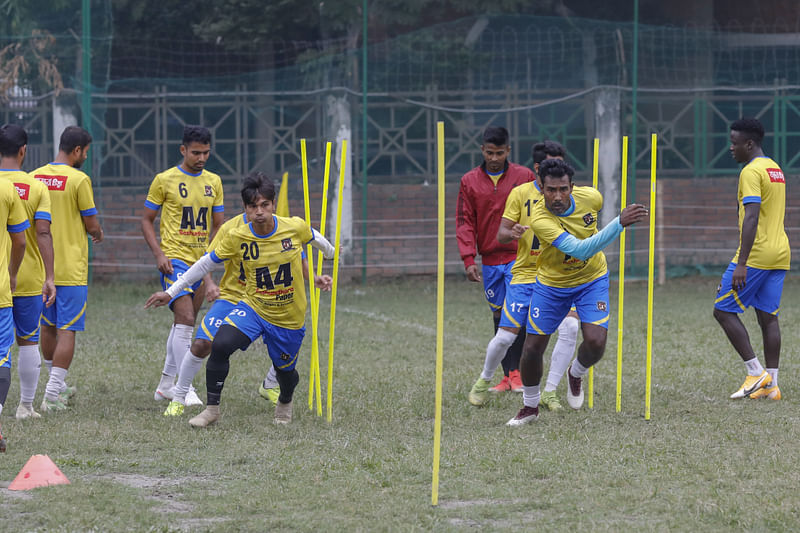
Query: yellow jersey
x=761 y=181
x=13 y=212
x=36 y=201
x=231 y=286
x=519 y=209
x=273 y=268
x=71 y=198
x=556 y=269
x=187 y=202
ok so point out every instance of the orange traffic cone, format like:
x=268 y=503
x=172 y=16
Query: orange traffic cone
x=39 y=471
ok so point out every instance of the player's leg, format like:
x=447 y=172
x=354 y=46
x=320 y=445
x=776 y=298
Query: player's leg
x=728 y=305
x=514 y=314
x=591 y=303
x=560 y=359
x=514 y=352
x=283 y=346
x=5 y=384
x=6 y=342
x=48 y=334
x=269 y=389
x=494 y=289
x=767 y=305
x=70 y=317
x=26 y=311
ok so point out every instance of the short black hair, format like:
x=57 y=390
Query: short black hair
x=541 y=150
x=196 y=134
x=496 y=135
x=74 y=137
x=555 y=168
x=751 y=128
x=12 y=138
x=257 y=184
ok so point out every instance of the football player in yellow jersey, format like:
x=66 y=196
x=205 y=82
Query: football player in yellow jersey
x=35 y=286
x=274 y=305
x=756 y=273
x=571 y=271
x=74 y=215
x=515 y=226
x=12 y=251
x=190 y=199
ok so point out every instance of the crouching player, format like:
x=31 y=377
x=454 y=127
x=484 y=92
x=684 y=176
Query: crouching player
x=274 y=304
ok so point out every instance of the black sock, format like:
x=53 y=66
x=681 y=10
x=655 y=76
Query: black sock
x=288 y=381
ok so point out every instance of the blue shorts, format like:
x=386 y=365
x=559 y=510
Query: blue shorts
x=69 y=311
x=549 y=305
x=179 y=268
x=213 y=319
x=496 y=279
x=515 y=306
x=283 y=345
x=762 y=290
x=27 y=314
x=6 y=336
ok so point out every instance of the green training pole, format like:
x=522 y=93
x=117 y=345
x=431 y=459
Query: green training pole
x=364 y=145
x=634 y=105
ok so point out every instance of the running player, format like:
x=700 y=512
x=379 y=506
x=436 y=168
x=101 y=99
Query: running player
x=481 y=200
x=270 y=251
x=756 y=273
x=572 y=271
x=74 y=215
x=515 y=226
x=35 y=284
x=12 y=251
x=191 y=202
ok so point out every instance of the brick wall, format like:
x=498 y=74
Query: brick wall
x=699 y=228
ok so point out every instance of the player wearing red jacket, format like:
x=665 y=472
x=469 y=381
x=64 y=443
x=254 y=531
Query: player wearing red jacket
x=481 y=201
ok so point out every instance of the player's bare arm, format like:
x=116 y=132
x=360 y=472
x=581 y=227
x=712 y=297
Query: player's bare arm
x=149 y=233
x=748 y=237
x=510 y=230
x=93 y=228
x=45 y=241
x=17 y=254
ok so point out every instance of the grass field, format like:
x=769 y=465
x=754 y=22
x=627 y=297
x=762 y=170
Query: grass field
x=703 y=462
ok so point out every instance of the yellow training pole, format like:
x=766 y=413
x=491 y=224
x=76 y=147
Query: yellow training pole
x=621 y=293
x=649 y=367
x=437 y=424
x=590 y=381
x=311 y=292
x=335 y=276
x=282 y=207
x=315 y=311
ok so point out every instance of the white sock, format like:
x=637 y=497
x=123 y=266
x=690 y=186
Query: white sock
x=578 y=370
x=271 y=381
x=530 y=395
x=56 y=383
x=48 y=365
x=562 y=352
x=28 y=367
x=190 y=366
x=773 y=373
x=1 y=408
x=496 y=350
x=754 y=367
x=166 y=383
x=170 y=368
x=181 y=341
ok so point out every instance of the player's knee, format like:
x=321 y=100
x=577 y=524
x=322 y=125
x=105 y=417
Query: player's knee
x=568 y=329
x=227 y=340
x=201 y=348
x=504 y=338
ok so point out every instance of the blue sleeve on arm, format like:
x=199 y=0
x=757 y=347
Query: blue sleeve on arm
x=583 y=249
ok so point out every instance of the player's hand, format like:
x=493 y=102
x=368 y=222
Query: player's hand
x=157 y=299
x=212 y=292
x=323 y=282
x=518 y=230
x=48 y=292
x=99 y=238
x=632 y=214
x=164 y=264
x=473 y=274
x=739 y=279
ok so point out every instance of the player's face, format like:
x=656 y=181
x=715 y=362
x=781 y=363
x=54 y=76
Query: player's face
x=536 y=167
x=495 y=156
x=81 y=155
x=195 y=156
x=741 y=147
x=556 y=193
x=260 y=211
